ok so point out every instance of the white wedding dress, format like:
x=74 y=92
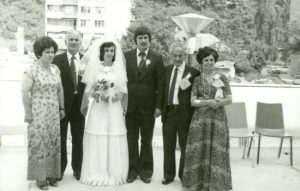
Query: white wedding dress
x=105 y=150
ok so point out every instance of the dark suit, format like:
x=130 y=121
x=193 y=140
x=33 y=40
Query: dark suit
x=73 y=114
x=145 y=89
x=176 y=120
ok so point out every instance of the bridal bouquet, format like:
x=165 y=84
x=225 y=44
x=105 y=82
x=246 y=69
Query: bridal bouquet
x=218 y=84
x=102 y=87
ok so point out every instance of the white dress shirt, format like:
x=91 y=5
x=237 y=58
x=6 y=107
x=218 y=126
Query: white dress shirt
x=139 y=57
x=178 y=79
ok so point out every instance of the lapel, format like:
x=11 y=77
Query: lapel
x=168 y=78
x=134 y=63
x=65 y=65
x=145 y=70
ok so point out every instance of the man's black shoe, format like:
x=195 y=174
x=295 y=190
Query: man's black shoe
x=146 y=180
x=77 y=175
x=131 y=178
x=166 y=181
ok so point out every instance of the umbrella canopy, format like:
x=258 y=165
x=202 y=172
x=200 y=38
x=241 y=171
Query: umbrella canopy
x=201 y=40
x=191 y=23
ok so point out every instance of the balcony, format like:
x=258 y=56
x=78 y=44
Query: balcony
x=60 y=15
x=56 y=28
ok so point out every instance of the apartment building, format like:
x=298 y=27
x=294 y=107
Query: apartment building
x=94 y=18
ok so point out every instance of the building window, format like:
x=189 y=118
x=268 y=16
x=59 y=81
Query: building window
x=84 y=23
x=70 y=22
x=55 y=22
x=69 y=9
x=99 y=23
x=53 y=8
x=98 y=10
x=86 y=10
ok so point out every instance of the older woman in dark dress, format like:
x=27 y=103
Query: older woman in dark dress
x=43 y=102
x=207 y=165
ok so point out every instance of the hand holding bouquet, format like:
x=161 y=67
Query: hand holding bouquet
x=102 y=88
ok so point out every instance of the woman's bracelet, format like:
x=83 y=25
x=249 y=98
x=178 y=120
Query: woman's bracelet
x=61 y=109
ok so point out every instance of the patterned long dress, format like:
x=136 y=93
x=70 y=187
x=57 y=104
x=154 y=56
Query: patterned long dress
x=207 y=163
x=44 y=132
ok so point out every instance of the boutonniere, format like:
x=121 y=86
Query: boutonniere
x=218 y=84
x=148 y=62
x=185 y=83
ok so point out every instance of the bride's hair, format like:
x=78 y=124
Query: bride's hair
x=106 y=45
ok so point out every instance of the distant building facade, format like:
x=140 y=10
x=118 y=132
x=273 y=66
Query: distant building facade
x=94 y=18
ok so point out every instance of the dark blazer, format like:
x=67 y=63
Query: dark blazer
x=183 y=95
x=145 y=88
x=62 y=62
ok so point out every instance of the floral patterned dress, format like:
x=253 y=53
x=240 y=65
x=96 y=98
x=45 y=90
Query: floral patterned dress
x=44 y=132
x=207 y=163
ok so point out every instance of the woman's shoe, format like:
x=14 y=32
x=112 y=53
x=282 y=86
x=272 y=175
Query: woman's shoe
x=52 y=182
x=42 y=185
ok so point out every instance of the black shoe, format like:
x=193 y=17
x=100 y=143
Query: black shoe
x=131 y=178
x=145 y=179
x=77 y=175
x=166 y=181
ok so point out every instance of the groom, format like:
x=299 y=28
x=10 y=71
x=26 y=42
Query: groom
x=145 y=88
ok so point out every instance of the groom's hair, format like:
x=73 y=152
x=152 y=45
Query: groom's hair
x=142 y=30
x=106 y=45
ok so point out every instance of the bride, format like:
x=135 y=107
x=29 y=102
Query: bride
x=105 y=151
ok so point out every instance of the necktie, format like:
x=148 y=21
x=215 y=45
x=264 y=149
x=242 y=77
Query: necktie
x=73 y=72
x=172 y=89
x=142 y=61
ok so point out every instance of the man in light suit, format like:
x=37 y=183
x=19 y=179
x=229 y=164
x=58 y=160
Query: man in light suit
x=145 y=88
x=177 y=109
x=68 y=63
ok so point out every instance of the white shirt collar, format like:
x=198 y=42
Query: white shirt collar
x=180 y=68
x=138 y=51
x=77 y=56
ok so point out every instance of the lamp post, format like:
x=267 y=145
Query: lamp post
x=191 y=24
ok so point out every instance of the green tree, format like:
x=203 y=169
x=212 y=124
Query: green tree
x=156 y=16
x=28 y=14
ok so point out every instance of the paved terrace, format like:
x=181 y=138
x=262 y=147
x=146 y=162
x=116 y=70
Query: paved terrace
x=271 y=175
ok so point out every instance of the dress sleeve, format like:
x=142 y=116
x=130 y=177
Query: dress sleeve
x=195 y=87
x=30 y=71
x=226 y=87
x=122 y=87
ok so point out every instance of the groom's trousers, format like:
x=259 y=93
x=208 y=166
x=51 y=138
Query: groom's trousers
x=139 y=124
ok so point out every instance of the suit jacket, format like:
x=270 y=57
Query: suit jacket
x=62 y=62
x=145 y=88
x=184 y=96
